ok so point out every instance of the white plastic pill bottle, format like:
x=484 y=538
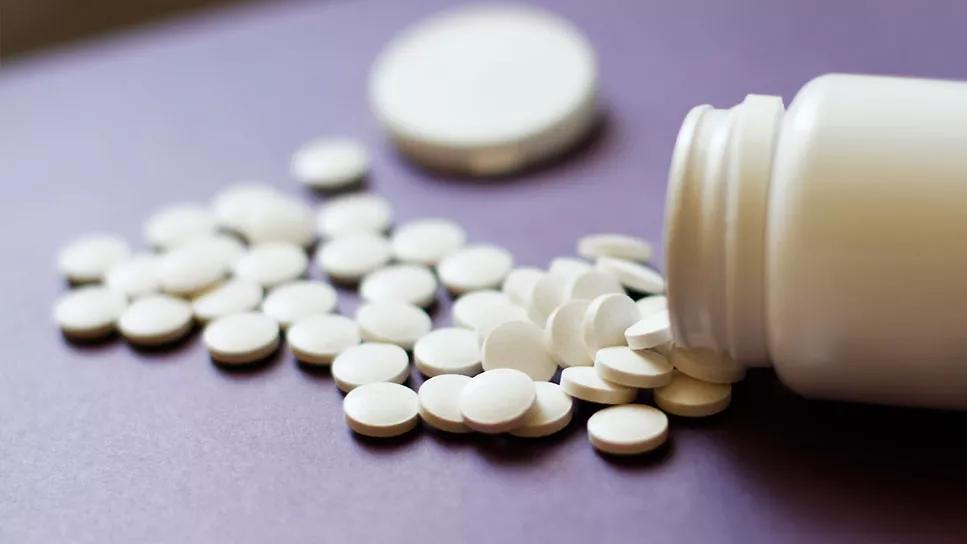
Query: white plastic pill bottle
x=828 y=239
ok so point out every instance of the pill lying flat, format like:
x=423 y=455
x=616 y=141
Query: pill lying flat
x=330 y=162
x=620 y=246
x=564 y=334
x=497 y=401
x=232 y=297
x=583 y=382
x=227 y=249
x=685 y=396
x=606 y=320
x=294 y=300
x=519 y=284
x=381 y=410
x=642 y=369
x=649 y=332
x=136 y=276
x=440 y=402
x=551 y=413
x=360 y=212
x=349 y=257
x=427 y=241
x=370 y=362
x=392 y=322
x=233 y=205
x=475 y=267
x=89 y=312
x=318 y=339
x=470 y=308
x=652 y=304
x=449 y=350
x=279 y=219
x=187 y=271
x=519 y=345
x=88 y=258
x=412 y=283
x=494 y=316
x=707 y=365
x=272 y=263
x=155 y=320
x=628 y=430
x=241 y=338
x=633 y=276
x=569 y=266
x=177 y=223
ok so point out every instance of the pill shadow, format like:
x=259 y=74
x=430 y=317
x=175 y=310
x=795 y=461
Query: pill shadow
x=250 y=370
x=387 y=445
x=163 y=351
x=359 y=185
x=593 y=142
x=639 y=461
x=313 y=371
x=92 y=345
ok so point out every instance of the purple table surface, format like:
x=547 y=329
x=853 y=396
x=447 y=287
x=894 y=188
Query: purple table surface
x=108 y=444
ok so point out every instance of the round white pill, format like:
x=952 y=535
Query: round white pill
x=236 y=203
x=232 y=297
x=241 y=338
x=272 y=263
x=136 y=276
x=187 y=271
x=279 y=218
x=633 y=276
x=177 y=223
x=564 y=334
x=370 y=362
x=392 y=322
x=519 y=284
x=289 y=302
x=549 y=292
x=486 y=89
x=519 y=345
x=440 y=402
x=227 y=249
x=687 y=397
x=606 y=320
x=497 y=401
x=620 y=246
x=155 y=319
x=426 y=241
x=89 y=312
x=625 y=366
x=475 y=267
x=360 y=212
x=569 y=266
x=707 y=365
x=469 y=309
x=330 y=162
x=551 y=412
x=412 y=283
x=628 y=430
x=652 y=304
x=494 y=316
x=592 y=284
x=381 y=410
x=649 y=332
x=88 y=259
x=448 y=351
x=583 y=382
x=349 y=257
x=318 y=339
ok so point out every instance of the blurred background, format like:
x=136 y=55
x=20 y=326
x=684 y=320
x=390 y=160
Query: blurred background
x=28 y=27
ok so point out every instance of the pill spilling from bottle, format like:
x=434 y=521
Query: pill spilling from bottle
x=525 y=344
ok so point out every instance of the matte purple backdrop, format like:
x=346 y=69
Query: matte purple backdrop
x=106 y=444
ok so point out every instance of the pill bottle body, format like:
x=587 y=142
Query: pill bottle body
x=830 y=239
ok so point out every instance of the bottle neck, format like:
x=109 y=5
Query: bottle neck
x=715 y=227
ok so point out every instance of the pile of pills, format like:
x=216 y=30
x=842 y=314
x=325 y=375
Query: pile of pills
x=524 y=344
